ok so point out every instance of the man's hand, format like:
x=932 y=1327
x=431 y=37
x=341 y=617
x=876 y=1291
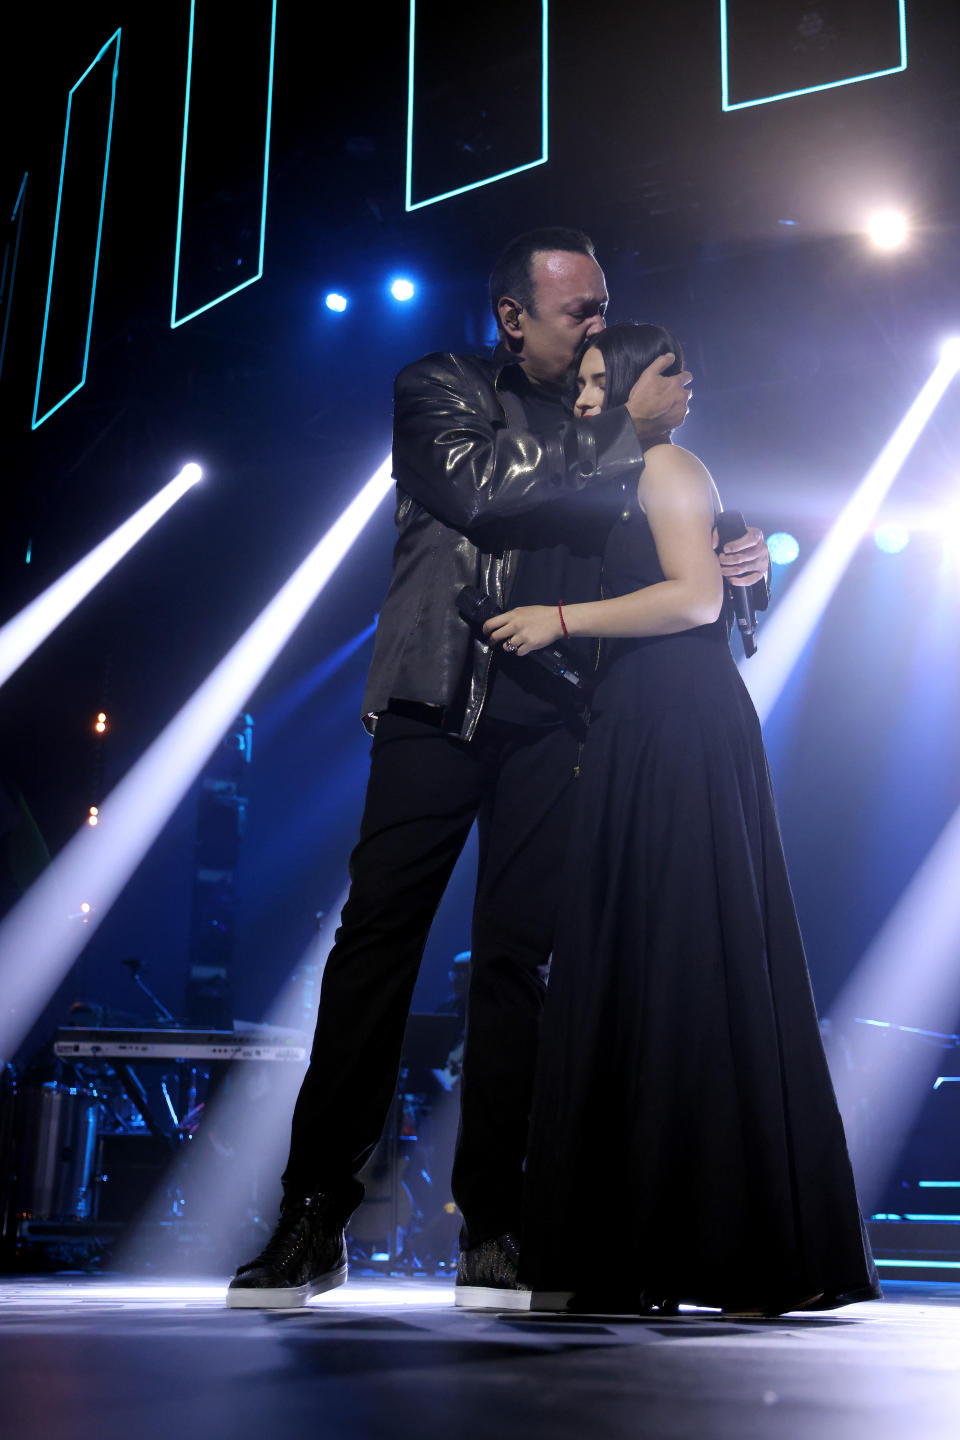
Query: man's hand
x=746 y=560
x=530 y=627
x=658 y=402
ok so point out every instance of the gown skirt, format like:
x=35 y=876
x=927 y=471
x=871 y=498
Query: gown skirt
x=685 y=1142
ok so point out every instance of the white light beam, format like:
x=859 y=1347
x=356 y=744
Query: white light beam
x=909 y=976
x=37 y=942
x=796 y=617
x=28 y=630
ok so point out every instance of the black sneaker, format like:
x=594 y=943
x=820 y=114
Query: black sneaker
x=487 y=1279
x=306 y=1255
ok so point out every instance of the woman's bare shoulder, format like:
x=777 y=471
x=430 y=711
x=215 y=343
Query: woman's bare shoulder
x=670 y=465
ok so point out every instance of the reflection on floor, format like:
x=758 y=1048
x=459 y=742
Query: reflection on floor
x=84 y=1357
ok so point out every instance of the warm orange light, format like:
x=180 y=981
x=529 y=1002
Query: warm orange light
x=93 y=820
x=85 y=908
x=101 y=716
x=99 y=727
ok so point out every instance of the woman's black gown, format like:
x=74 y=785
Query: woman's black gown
x=685 y=1139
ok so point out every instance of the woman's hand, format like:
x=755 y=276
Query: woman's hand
x=746 y=560
x=530 y=627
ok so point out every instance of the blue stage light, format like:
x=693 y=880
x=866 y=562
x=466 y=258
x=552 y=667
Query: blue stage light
x=891 y=539
x=336 y=302
x=783 y=548
x=402 y=289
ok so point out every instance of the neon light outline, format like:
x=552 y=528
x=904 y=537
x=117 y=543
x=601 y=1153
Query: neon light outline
x=174 y=322
x=809 y=89
x=921 y=1264
x=409 y=203
x=35 y=423
x=13 y=272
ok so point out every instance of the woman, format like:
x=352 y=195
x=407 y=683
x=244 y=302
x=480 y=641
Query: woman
x=685 y=1144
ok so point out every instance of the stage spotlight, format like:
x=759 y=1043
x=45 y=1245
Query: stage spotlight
x=797 y=616
x=403 y=289
x=336 y=302
x=783 y=548
x=891 y=539
x=36 y=949
x=950 y=351
x=93 y=816
x=100 y=724
x=26 y=631
x=888 y=229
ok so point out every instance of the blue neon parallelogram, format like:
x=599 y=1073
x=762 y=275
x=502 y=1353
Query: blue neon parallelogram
x=225 y=151
x=541 y=159
x=6 y=291
x=112 y=44
x=728 y=104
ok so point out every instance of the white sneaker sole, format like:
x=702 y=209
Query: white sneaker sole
x=288 y=1297
x=487 y=1297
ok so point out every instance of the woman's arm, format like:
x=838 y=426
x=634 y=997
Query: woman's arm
x=677 y=493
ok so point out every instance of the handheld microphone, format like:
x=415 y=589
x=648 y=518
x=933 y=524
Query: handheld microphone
x=730 y=526
x=476 y=608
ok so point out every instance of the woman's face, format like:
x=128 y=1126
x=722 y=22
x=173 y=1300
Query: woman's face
x=590 y=383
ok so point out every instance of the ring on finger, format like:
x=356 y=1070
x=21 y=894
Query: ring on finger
x=508 y=645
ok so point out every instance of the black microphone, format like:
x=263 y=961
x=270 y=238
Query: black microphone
x=730 y=526
x=476 y=608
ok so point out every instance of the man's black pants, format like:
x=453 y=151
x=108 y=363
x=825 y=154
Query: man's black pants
x=425 y=790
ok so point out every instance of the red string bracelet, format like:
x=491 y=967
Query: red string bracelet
x=563 y=623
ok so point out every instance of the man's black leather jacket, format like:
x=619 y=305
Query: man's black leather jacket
x=466 y=471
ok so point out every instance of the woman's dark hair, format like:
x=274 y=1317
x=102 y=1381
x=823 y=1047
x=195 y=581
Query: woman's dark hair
x=628 y=349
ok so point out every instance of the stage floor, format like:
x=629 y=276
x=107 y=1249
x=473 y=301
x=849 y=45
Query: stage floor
x=106 y=1359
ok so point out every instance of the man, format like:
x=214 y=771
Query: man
x=499 y=488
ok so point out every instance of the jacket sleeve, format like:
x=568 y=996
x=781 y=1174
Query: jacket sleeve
x=468 y=468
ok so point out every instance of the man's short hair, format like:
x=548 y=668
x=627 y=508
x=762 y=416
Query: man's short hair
x=513 y=273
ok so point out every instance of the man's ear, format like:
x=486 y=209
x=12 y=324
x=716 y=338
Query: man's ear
x=509 y=312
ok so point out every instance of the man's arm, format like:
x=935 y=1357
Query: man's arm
x=469 y=468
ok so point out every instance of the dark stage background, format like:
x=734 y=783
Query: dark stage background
x=742 y=231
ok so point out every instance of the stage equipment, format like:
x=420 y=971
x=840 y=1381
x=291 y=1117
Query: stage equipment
x=37 y=947
x=221 y=814
x=402 y=290
x=26 y=631
x=795 y=618
x=742 y=600
x=58 y=1136
x=149 y=1042
x=337 y=303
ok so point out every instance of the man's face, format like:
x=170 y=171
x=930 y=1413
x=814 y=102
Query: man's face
x=570 y=298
